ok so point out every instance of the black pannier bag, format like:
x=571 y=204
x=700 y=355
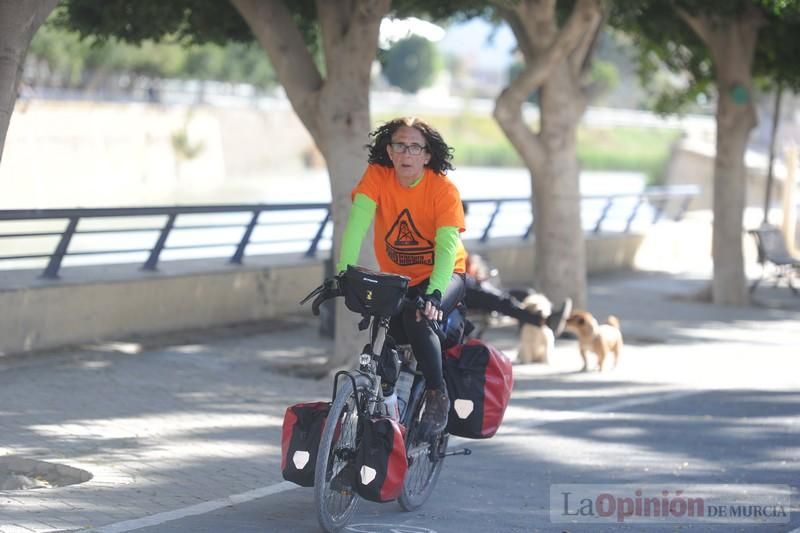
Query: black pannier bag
x=367 y=292
x=302 y=429
x=479 y=382
x=381 y=461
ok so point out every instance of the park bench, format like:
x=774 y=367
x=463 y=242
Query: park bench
x=774 y=257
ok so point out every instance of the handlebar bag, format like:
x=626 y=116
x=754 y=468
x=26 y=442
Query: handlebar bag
x=381 y=460
x=373 y=293
x=479 y=381
x=302 y=429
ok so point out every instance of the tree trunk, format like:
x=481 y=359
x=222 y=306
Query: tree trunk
x=334 y=109
x=345 y=130
x=19 y=21
x=560 y=248
x=773 y=134
x=732 y=44
x=734 y=124
x=554 y=59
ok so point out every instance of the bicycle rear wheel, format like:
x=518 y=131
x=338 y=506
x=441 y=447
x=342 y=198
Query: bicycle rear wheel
x=425 y=461
x=335 y=476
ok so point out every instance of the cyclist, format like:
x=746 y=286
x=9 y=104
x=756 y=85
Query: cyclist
x=418 y=218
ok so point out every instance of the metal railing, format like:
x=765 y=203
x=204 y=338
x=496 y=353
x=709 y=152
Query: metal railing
x=169 y=217
x=313 y=220
x=659 y=199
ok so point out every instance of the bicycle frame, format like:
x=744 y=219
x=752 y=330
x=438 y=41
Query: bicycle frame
x=368 y=366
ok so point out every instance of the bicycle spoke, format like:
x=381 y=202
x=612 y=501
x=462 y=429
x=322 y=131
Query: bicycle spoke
x=423 y=470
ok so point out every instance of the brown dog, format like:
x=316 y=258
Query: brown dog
x=593 y=337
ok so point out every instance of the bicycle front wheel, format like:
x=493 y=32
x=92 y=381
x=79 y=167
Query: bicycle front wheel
x=335 y=475
x=425 y=461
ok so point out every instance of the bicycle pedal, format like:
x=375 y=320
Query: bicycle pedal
x=461 y=451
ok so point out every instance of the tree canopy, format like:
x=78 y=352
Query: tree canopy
x=411 y=63
x=60 y=57
x=204 y=21
x=662 y=39
x=186 y=21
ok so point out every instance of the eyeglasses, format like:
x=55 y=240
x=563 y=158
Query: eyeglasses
x=402 y=148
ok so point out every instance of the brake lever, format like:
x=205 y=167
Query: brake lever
x=312 y=294
x=328 y=289
x=437 y=329
x=419 y=303
x=317 y=302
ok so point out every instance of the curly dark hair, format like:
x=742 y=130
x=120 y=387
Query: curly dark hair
x=441 y=154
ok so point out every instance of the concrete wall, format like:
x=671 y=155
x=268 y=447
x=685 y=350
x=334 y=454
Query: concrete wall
x=692 y=163
x=104 y=303
x=55 y=314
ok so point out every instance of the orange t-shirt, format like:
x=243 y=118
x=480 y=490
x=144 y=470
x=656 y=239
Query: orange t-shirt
x=406 y=220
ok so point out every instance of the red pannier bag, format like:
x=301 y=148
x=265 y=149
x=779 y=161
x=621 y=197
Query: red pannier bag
x=381 y=460
x=479 y=382
x=302 y=429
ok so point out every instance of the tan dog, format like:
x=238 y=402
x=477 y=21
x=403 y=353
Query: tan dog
x=593 y=337
x=536 y=343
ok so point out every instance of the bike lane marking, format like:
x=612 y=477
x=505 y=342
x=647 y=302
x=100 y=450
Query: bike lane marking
x=194 y=510
x=554 y=417
x=213 y=505
x=387 y=528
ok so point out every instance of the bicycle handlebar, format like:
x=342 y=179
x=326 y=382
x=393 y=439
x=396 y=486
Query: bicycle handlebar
x=330 y=289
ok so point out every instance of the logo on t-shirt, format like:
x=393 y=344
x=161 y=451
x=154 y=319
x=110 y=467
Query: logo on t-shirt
x=405 y=245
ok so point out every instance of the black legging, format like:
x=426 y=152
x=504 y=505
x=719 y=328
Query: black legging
x=405 y=329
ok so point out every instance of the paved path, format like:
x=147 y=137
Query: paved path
x=182 y=433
